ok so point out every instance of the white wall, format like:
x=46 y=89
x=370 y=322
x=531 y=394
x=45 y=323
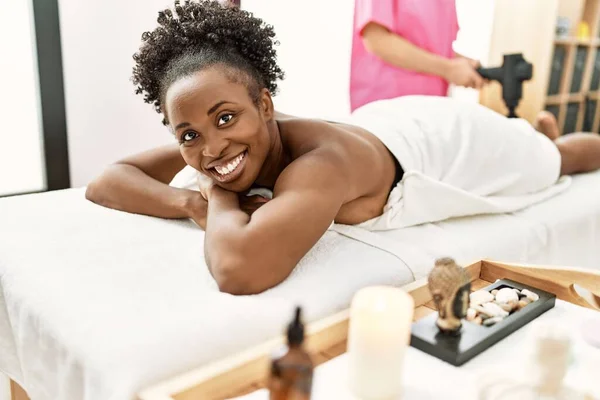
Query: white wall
x=105 y=119
x=314 y=52
x=475 y=18
x=21 y=155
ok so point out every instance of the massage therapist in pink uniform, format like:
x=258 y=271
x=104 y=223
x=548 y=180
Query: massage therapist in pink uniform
x=404 y=47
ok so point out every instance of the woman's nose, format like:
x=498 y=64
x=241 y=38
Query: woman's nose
x=214 y=147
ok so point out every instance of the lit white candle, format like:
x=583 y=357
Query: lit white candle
x=379 y=332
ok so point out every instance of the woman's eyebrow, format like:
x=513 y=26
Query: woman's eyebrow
x=217 y=105
x=182 y=125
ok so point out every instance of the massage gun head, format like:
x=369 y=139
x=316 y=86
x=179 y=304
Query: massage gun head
x=511 y=75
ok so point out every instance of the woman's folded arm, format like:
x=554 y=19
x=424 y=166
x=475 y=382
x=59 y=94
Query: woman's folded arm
x=247 y=255
x=140 y=184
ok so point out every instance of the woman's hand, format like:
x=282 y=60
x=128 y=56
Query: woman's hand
x=205 y=184
x=462 y=72
x=199 y=205
x=248 y=204
x=196 y=208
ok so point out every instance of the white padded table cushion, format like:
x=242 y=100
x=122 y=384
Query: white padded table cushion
x=96 y=303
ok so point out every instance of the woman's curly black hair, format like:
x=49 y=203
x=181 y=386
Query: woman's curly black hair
x=198 y=34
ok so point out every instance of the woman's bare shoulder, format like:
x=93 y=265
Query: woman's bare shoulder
x=301 y=135
x=279 y=116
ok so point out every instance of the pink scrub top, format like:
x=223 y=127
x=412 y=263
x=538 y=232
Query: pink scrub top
x=429 y=24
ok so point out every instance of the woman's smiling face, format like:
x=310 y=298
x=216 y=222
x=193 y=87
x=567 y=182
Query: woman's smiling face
x=222 y=132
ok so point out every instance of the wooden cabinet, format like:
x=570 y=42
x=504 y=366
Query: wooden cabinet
x=575 y=68
x=566 y=64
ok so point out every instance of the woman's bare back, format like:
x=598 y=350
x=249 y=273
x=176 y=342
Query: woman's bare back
x=370 y=166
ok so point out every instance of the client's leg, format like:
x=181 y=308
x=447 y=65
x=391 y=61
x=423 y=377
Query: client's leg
x=580 y=152
x=546 y=123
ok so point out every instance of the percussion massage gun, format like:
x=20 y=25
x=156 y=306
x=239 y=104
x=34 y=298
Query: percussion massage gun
x=511 y=75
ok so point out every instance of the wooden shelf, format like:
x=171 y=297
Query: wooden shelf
x=558 y=99
x=593 y=95
x=569 y=41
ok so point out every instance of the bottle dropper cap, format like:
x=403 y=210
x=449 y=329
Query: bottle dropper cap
x=295 y=331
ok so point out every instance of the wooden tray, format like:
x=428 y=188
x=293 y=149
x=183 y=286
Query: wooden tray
x=476 y=339
x=325 y=339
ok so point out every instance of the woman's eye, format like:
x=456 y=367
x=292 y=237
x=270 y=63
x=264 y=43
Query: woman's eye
x=225 y=118
x=186 y=137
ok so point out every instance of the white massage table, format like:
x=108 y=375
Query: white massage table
x=96 y=304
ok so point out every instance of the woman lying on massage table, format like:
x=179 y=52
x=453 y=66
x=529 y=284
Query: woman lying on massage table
x=211 y=71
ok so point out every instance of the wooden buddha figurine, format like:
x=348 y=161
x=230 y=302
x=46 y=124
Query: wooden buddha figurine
x=450 y=287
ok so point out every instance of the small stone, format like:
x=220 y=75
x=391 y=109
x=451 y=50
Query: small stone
x=523 y=303
x=477 y=321
x=479 y=297
x=494 y=292
x=506 y=295
x=494 y=310
x=483 y=313
x=530 y=295
x=510 y=306
x=492 y=321
x=471 y=314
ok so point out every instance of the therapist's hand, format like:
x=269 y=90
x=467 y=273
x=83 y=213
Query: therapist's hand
x=462 y=72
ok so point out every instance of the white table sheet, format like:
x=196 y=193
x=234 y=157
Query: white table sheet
x=96 y=303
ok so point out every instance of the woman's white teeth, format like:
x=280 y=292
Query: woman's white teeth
x=229 y=167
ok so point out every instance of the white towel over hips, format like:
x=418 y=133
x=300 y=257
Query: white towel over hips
x=460 y=158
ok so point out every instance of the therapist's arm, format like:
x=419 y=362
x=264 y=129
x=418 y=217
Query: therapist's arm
x=397 y=51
